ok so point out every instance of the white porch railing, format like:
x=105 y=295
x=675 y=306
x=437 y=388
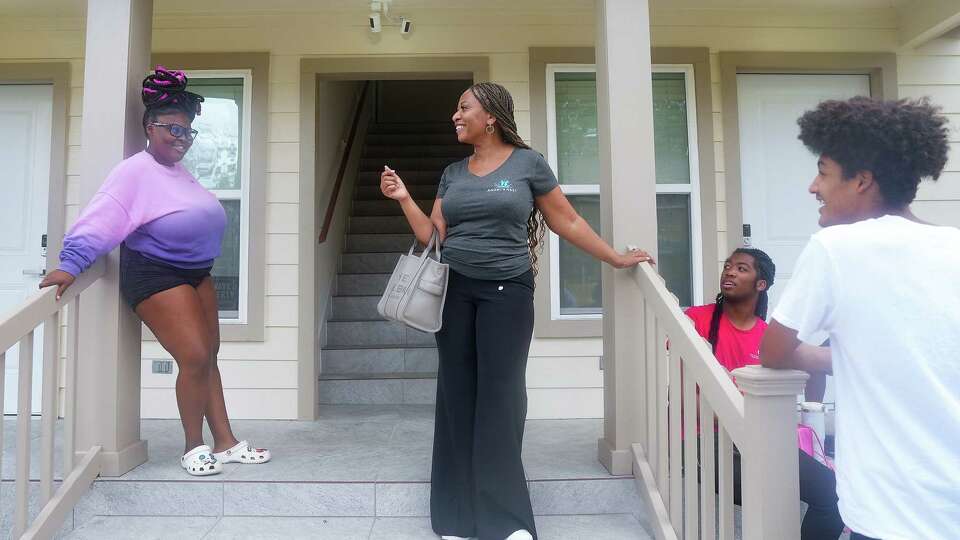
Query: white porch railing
x=20 y=327
x=675 y=467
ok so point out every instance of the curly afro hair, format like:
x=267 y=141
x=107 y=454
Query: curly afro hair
x=900 y=142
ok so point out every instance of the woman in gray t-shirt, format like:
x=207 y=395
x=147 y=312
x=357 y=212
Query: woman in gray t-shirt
x=491 y=211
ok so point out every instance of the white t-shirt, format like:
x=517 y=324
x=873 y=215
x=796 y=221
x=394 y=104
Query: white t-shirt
x=887 y=291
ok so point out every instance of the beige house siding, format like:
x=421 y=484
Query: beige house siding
x=261 y=378
x=934 y=70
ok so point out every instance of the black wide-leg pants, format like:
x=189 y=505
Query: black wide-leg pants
x=478 y=487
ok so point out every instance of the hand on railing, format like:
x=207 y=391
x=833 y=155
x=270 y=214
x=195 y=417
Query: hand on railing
x=61 y=279
x=632 y=257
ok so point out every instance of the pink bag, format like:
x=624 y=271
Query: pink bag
x=809 y=442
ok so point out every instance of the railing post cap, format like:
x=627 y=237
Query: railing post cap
x=761 y=381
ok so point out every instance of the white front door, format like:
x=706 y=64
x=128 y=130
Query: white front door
x=25 y=129
x=776 y=169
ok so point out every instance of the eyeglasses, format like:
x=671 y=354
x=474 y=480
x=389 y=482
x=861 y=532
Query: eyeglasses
x=178 y=131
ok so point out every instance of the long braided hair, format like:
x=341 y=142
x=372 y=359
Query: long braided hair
x=766 y=270
x=496 y=100
x=165 y=91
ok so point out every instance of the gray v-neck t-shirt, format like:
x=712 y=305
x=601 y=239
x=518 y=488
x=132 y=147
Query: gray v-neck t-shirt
x=487 y=215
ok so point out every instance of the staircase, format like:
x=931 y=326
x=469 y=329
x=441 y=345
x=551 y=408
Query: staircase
x=366 y=359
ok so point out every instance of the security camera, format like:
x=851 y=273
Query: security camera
x=406 y=25
x=374 y=22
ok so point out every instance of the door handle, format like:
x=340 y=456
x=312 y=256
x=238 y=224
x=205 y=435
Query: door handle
x=35 y=273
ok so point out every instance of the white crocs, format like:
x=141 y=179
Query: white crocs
x=244 y=453
x=201 y=462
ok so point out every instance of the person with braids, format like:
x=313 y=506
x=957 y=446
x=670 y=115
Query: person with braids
x=877 y=280
x=491 y=212
x=734 y=326
x=170 y=228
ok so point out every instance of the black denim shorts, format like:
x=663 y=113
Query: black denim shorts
x=141 y=278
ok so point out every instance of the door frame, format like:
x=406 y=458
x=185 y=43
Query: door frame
x=58 y=75
x=314 y=70
x=880 y=67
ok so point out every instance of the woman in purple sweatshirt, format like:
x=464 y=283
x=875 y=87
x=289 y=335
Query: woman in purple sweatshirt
x=171 y=228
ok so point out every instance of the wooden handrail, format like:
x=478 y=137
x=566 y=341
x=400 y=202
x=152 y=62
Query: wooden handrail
x=42 y=304
x=335 y=194
x=685 y=342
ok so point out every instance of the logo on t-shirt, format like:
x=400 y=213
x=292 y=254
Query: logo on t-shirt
x=503 y=185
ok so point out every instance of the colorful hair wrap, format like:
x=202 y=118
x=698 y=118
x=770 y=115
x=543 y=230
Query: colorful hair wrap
x=169 y=87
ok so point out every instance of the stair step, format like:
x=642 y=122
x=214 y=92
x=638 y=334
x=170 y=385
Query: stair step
x=412 y=177
x=411 y=138
x=416 y=128
x=373 y=376
x=355 y=308
x=373 y=193
x=378 y=333
x=402 y=164
x=391 y=151
x=361 y=284
x=395 y=359
x=378 y=243
x=368 y=263
x=386 y=207
x=378 y=224
x=378 y=391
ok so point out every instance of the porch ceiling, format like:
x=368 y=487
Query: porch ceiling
x=75 y=8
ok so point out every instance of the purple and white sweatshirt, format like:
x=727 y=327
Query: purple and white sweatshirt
x=160 y=211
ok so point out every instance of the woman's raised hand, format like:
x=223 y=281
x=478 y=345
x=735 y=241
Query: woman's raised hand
x=632 y=257
x=392 y=185
x=59 y=278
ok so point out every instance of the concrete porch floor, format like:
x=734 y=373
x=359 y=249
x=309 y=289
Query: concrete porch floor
x=357 y=472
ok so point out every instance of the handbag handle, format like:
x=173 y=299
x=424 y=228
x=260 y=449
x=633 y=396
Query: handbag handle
x=434 y=244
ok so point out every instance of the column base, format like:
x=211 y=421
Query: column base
x=121 y=462
x=617 y=462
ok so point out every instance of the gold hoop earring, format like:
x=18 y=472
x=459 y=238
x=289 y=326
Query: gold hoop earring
x=490 y=129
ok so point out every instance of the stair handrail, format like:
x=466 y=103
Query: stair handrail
x=344 y=159
x=19 y=326
x=678 y=373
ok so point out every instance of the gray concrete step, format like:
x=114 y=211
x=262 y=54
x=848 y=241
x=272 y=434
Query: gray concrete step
x=361 y=284
x=383 y=391
x=386 y=207
x=359 y=461
x=411 y=138
x=410 y=177
x=390 y=151
x=373 y=193
x=355 y=308
x=379 y=360
x=402 y=164
x=378 y=224
x=368 y=263
x=347 y=334
x=413 y=128
x=378 y=243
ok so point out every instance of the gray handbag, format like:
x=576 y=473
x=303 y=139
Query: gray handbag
x=417 y=289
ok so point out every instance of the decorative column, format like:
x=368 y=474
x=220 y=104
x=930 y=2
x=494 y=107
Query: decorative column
x=117 y=57
x=629 y=213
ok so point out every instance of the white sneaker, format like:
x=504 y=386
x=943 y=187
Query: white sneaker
x=522 y=534
x=448 y=537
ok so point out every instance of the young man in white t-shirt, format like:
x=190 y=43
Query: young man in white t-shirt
x=886 y=287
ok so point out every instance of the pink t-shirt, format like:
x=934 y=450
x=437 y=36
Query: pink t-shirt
x=735 y=348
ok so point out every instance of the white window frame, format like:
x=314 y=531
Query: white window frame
x=692 y=189
x=243 y=194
